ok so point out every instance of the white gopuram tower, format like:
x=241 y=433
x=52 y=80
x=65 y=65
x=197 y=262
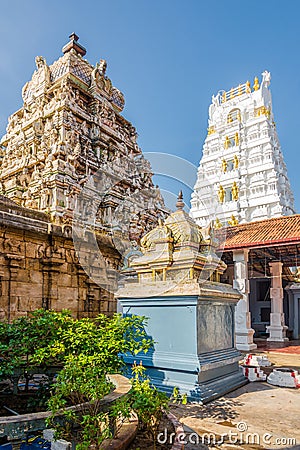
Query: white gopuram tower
x=242 y=176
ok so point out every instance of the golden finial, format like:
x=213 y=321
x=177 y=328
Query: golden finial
x=217 y=224
x=240 y=89
x=256 y=84
x=231 y=93
x=235 y=191
x=224 y=97
x=235 y=162
x=180 y=202
x=248 y=87
x=236 y=139
x=227 y=142
x=224 y=165
x=233 y=221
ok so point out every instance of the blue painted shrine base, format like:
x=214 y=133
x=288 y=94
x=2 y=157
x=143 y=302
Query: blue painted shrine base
x=194 y=345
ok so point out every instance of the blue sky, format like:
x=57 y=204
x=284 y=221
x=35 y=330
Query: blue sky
x=168 y=57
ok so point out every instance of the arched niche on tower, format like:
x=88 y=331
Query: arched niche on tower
x=234 y=115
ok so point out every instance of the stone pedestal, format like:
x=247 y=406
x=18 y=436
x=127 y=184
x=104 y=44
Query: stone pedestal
x=277 y=327
x=243 y=331
x=193 y=329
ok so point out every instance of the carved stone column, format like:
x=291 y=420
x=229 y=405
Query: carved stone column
x=243 y=331
x=277 y=327
x=14 y=262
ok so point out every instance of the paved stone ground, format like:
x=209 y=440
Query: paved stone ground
x=266 y=416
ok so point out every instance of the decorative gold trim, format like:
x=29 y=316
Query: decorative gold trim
x=262 y=110
x=256 y=84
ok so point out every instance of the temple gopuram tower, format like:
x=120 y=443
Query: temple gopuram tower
x=242 y=176
x=69 y=128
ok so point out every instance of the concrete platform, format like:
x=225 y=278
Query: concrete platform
x=260 y=415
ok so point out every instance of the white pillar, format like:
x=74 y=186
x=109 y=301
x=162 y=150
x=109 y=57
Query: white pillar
x=243 y=331
x=296 y=317
x=277 y=327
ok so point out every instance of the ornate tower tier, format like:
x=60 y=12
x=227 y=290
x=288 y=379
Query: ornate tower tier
x=70 y=127
x=242 y=176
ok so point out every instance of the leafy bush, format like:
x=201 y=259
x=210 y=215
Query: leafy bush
x=147 y=401
x=86 y=350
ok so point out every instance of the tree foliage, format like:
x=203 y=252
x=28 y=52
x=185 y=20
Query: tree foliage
x=47 y=338
x=85 y=350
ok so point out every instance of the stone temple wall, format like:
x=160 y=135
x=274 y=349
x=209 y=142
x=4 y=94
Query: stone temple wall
x=39 y=267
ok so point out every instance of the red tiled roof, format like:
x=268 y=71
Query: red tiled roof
x=280 y=230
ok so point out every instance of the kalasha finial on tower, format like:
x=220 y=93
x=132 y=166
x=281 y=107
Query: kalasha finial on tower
x=73 y=43
x=180 y=202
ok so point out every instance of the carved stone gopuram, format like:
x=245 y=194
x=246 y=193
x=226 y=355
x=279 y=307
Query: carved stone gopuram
x=69 y=156
x=69 y=128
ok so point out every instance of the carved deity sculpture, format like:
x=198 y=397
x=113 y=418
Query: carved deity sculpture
x=227 y=143
x=215 y=101
x=224 y=165
x=233 y=221
x=217 y=224
x=221 y=194
x=296 y=274
x=235 y=162
x=266 y=78
x=236 y=139
x=235 y=191
x=102 y=67
x=256 y=84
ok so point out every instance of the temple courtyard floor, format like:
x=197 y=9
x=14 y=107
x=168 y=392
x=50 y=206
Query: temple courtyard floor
x=256 y=416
